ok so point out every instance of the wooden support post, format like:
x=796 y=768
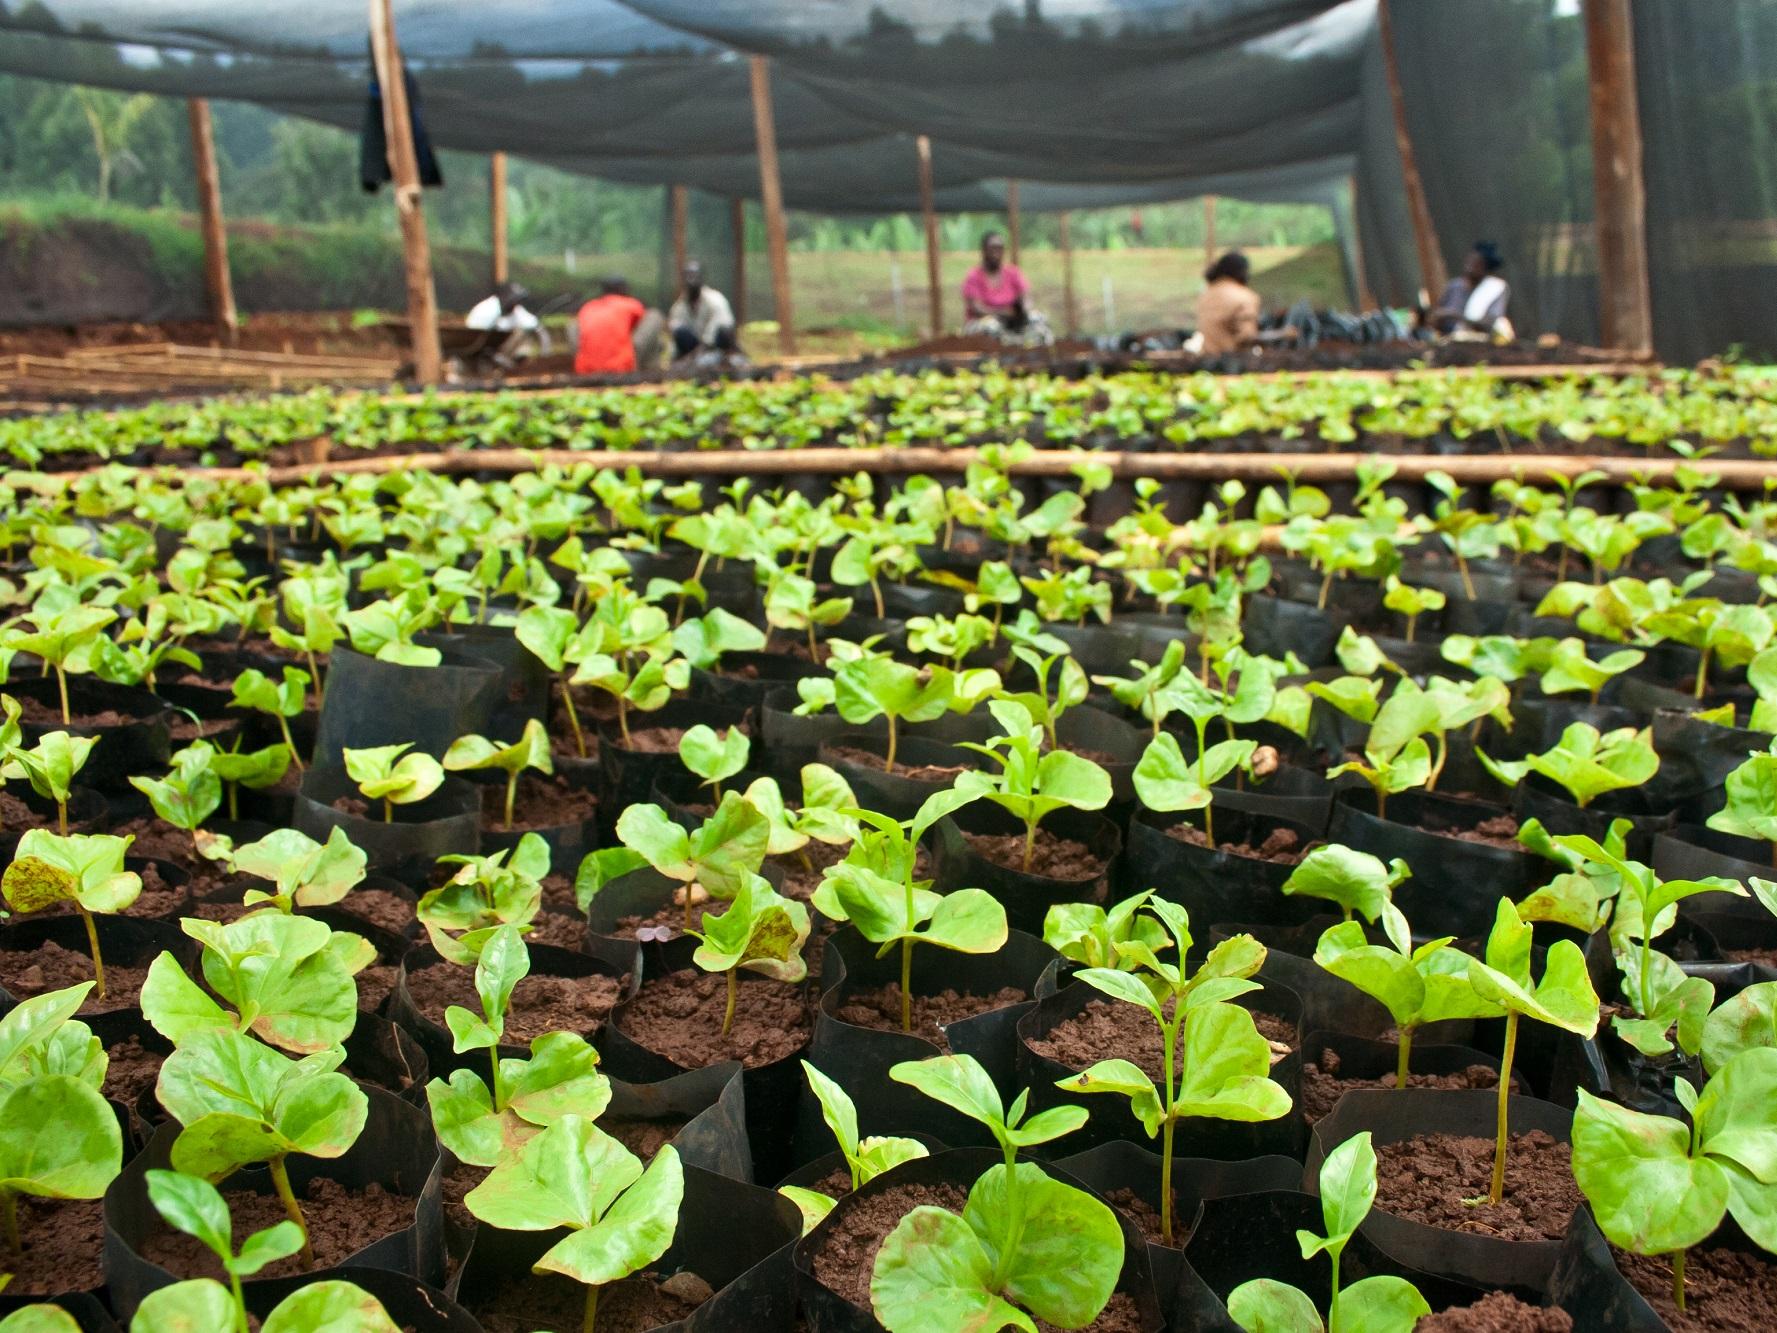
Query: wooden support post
x=404 y=168
x=1432 y=273
x=1209 y=230
x=1070 y=316
x=680 y=200
x=929 y=212
x=496 y=215
x=209 y=207
x=1366 y=299
x=737 y=229
x=1625 y=303
x=1012 y=221
x=771 y=198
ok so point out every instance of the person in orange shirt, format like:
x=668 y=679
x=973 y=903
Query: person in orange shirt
x=616 y=332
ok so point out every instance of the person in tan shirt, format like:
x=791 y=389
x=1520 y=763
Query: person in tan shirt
x=1228 y=309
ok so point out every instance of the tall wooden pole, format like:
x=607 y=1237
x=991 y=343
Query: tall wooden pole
x=680 y=199
x=1209 y=230
x=1432 y=274
x=404 y=168
x=1070 y=314
x=1012 y=221
x=929 y=211
x=737 y=229
x=496 y=214
x=771 y=198
x=1366 y=299
x=209 y=206
x=1625 y=303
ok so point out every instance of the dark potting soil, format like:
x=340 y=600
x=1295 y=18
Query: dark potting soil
x=356 y=806
x=1108 y=1029
x=1281 y=846
x=51 y=967
x=158 y=900
x=550 y=1303
x=1052 y=856
x=152 y=837
x=17 y=817
x=379 y=907
x=37 y=713
x=1725 y=1290
x=457 y=1182
x=1766 y=957
x=679 y=1016
x=881 y=1009
x=557 y=928
x=668 y=922
x=374 y=984
x=183 y=730
x=541 y=802
x=1498 y=1312
x=341 y=1222
x=660 y=740
x=1429 y=1179
x=63 y=1242
x=1498 y=831
x=934 y=773
x=1322 y=1086
x=644 y=1138
x=843 y=1263
x=1147 y=1217
x=131 y=1070
x=800 y=881
x=540 y=1003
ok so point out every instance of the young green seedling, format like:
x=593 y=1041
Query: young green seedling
x=1411 y=602
x=619 y=1218
x=1031 y=783
x=1166 y=781
x=704 y=640
x=280 y=701
x=59 y=1139
x=1571 y=668
x=241 y=1102
x=389 y=774
x=714 y=758
x=824 y=816
x=1417 y=986
x=289 y=980
x=204 y=1303
x=1381 y=1304
x=1563 y=998
x=1214 y=1063
x=63 y=633
x=1088 y=934
x=716 y=860
x=1659 y=1186
x=872 y=685
x=40 y=1036
x=491 y=891
x=50 y=767
x=1149 y=690
x=762 y=931
x=1750 y=808
x=874 y=889
x=1356 y=881
x=865 y=1158
x=301 y=871
x=190 y=792
x=1397 y=756
x=1024 y=1241
x=85 y=869
x=1585 y=762
x=554 y=636
x=531 y=750
x=254 y=769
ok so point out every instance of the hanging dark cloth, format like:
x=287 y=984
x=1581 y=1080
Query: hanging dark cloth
x=373 y=144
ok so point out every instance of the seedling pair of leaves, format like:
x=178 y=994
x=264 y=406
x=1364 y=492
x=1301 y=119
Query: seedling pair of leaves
x=1214 y=1062
x=86 y=869
x=1380 y=1304
x=824 y=816
x=501 y=888
x=1750 y=808
x=716 y=860
x=49 y=766
x=1025 y=1243
x=1088 y=934
x=1031 y=783
x=865 y=1158
x=761 y=931
x=475 y=753
x=1584 y=762
x=872 y=685
x=193 y=1205
x=280 y=700
x=388 y=773
x=300 y=871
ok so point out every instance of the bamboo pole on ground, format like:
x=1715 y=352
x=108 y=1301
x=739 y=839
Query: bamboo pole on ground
x=680 y=200
x=1013 y=222
x=217 y=281
x=929 y=213
x=737 y=230
x=496 y=215
x=1625 y=303
x=1432 y=274
x=404 y=169
x=771 y=198
x=1070 y=314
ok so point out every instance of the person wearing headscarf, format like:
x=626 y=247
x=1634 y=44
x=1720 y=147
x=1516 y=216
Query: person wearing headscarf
x=1474 y=302
x=1228 y=307
x=996 y=298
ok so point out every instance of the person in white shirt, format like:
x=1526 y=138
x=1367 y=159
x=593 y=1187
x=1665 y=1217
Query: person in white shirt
x=504 y=312
x=1474 y=303
x=701 y=319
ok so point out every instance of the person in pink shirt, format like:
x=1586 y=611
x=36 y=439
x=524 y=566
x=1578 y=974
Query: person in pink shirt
x=996 y=298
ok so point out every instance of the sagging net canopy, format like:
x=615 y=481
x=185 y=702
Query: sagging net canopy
x=1084 y=102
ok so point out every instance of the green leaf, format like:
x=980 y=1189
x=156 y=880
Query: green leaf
x=86 y=868
x=812 y=1204
x=1742 y=1022
x=1125 y=1080
x=633 y=1233
x=956 y=1081
x=1381 y=1304
x=58 y=1139
x=1265 y=1305
x=1647 y=1193
x=338 y=1307
x=195 y=1206
x=200 y=1305
x=1226 y=1068
x=1069 y=1254
x=1357 y=881
x=932 y=1275
x=1347 y=1191
x=711 y=757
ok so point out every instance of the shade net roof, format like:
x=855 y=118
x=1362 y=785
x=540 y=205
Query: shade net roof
x=1084 y=102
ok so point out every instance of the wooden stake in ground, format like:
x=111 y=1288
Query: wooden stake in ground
x=1070 y=317
x=771 y=198
x=1625 y=303
x=217 y=281
x=404 y=168
x=1432 y=274
x=496 y=215
x=1209 y=230
x=928 y=211
x=1366 y=299
x=679 y=200
x=1012 y=221
x=737 y=230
